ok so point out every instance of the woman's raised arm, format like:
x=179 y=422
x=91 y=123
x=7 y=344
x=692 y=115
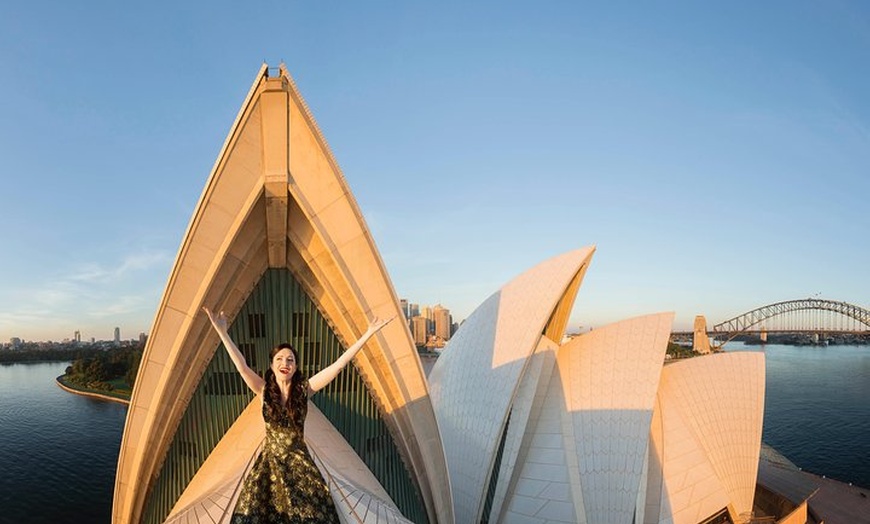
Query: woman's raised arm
x=327 y=374
x=251 y=378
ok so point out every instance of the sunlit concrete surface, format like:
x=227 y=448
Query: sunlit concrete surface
x=276 y=199
x=700 y=340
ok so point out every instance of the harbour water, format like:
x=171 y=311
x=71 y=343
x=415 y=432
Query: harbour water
x=59 y=451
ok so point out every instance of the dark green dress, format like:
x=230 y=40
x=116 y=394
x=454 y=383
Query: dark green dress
x=284 y=486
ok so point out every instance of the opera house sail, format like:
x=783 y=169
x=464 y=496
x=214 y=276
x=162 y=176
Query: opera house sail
x=278 y=243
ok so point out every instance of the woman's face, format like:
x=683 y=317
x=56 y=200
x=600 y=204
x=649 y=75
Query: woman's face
x=284 y=365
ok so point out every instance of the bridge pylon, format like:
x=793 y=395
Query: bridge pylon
x=700 y=341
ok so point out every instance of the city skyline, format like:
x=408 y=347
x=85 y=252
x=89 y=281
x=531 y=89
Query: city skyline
x=76 y=338
x=117 y=330
x=715 y=155
x=431 y=325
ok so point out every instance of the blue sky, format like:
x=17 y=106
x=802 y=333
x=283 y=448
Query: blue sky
x=716 y=154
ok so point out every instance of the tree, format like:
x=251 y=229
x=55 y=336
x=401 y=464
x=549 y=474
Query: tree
x=96 y=370
x=133 y=367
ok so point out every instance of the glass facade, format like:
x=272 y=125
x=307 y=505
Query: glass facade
x=278 y=310
x=493 y=477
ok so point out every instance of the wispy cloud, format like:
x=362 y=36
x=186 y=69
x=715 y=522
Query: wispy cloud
x=93 y=296
x=120 y=305
x=130 y=264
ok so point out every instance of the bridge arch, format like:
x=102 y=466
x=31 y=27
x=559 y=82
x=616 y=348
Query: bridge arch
x=755 y=317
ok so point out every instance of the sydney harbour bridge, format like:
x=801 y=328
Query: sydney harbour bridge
x=814 y=316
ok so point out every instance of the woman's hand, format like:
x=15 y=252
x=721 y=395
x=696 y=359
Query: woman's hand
x=327 y=374
x=251 y=378
x=378 y=323
x=219 y=321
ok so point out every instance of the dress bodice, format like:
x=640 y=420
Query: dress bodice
x=284 y=428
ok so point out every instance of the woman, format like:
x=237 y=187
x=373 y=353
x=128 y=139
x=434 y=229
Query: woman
x=284 y=485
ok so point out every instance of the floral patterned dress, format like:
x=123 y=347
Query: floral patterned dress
x=284 y=486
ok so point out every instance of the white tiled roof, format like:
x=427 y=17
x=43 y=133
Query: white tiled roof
x=473 y=383
x=610 y=377
x=596 y=429
x=721 y=398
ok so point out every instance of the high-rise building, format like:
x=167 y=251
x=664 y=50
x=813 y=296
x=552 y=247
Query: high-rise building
x=427 y=313
x=403 y=304
x=413 y=310
x=420 y=330
x=117 y=336
x=442 y=321
x=77 y=336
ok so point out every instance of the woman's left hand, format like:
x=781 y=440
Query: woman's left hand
x=378 y=323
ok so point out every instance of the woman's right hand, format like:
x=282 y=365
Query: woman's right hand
x=219 y=321
x=251 y=378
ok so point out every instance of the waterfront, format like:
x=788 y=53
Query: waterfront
x=58 y=451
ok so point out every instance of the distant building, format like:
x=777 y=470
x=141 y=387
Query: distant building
x=442 y=322
x=15 y=342
x=117 y=336
x=413 y=310
x=403 y=305
x=77 y=336
x=420 y=330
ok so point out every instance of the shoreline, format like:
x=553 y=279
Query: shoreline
x=91 y=394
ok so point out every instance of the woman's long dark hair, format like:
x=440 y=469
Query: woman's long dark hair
x=297 y=404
